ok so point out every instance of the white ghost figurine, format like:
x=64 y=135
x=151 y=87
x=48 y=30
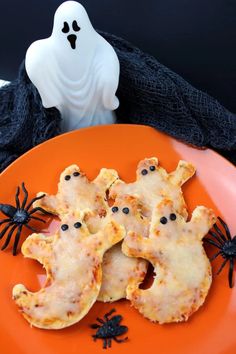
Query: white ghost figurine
x=75 y=70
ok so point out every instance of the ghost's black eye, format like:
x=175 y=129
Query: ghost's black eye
x=77 y=225
x=172 y=217
x=115 y=209
x=67 y=177
x=152 y=168
x=64 y=227
x=76 y=174
x=75 y=26
x=144 y=172
x=125 y=210
x=66 y=28
x=163 y=220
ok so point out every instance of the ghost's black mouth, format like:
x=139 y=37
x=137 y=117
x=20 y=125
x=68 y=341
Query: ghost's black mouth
x=72 y=39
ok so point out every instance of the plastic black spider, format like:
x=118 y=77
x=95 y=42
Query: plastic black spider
x=109 y=329
x=19 y=216
x=227 y=248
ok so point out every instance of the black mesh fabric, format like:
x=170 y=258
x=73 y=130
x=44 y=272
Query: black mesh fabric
x=24 y=122
x=152 y=94
x=149 y=94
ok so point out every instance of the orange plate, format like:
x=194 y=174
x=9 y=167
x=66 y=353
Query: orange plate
x=210 y=330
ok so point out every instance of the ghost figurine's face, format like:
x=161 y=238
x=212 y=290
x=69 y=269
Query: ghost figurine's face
x=71 y=23
x=71 y=37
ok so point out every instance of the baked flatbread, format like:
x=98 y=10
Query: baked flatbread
x=73 y=262
x=183 y=271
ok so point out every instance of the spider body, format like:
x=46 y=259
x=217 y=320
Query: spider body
x=19 y=216
x=109 y=329
x=229 y=248
x=226 y=245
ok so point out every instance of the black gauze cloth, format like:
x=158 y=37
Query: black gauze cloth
x=149 y=93
x=24 y=122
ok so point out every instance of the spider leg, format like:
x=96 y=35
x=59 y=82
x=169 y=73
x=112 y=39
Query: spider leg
x=209 y=240
x=40 y=209
x=4 y=221
x=220 y=233
x=17 y=238
x=100 y=320
x=17 y=198
x=120 y=340
x=2 y=233
x=105 y=343
x=25 y=197
x=35 y=218
x=34 y=200
x=94 y=337
x=222 y=266
x=106 y=316
x=215 y=256
x=109 y=342
x=231 y=270
x=8 y=237
x=94 y=326
x=31 y=228
x=213 y=234
x=225 y=226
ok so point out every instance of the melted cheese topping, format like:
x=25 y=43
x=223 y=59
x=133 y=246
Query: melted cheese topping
x=155 y=185
x=76 y=192
x=119 y=270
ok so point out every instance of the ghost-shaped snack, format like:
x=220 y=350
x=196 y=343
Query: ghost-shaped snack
x=118 y=270
x=75 y=70
x=73 y=262
x=153 y=184
x=183 y=271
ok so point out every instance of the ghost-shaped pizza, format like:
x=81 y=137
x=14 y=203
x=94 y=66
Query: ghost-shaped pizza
x=153 y=184
x=73 y=262
x=183 y=271
x=118 y=270
x=76 y=192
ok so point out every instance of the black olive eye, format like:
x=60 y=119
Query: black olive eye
x=75 y=26
x=67 y=177
x=114 y=209
x=64 y=227
x=172 y=216
x=125 y=210
x=163 y=220
x=66 y=28
x=152 y=168
x=76 y=174
x=77 y=225
x=144 y=172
